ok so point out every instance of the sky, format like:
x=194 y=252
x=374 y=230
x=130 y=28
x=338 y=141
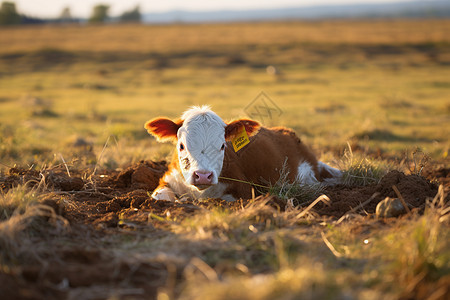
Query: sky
x=83 y=8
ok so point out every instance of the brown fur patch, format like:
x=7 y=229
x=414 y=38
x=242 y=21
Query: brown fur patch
x=261 y=161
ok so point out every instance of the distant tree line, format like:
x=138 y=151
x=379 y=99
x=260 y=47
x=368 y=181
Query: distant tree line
x=8 y=14
x=100 y=14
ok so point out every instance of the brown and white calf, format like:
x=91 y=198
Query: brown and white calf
x=205 y=159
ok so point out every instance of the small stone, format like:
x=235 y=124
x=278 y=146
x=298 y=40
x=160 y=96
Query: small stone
x=390 y=208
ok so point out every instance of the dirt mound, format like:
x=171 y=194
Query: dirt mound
x=414 y=189
x=78 y=269
x=440 y=174
x=118 y=198
x=144 y=175
x=123 y=199
x=18 y=176
x=117 y=204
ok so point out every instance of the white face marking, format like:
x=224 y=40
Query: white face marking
x=200 y=144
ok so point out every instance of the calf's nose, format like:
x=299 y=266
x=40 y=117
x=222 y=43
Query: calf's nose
x=202 y=177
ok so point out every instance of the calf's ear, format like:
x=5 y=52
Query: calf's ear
x=232 y=129
x=163 y=129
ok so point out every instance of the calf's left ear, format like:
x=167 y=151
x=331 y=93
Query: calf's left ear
x=163 y=129
x=232 y=129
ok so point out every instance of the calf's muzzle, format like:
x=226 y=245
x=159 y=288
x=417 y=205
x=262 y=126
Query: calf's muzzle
x=202 y=179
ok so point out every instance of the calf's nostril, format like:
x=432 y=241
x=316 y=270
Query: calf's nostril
x=202 y=177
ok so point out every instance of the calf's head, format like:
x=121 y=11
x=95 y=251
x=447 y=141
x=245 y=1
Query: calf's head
x=200 y=136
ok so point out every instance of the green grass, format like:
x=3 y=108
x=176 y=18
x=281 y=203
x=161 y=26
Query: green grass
x=380 y=93
x=361 y=115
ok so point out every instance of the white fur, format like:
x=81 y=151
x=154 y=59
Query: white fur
x=305 y=174
x=164 y=194
x=179 y=189
x=202 y=134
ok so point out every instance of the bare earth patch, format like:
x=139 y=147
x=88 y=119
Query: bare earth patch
x=112 y=214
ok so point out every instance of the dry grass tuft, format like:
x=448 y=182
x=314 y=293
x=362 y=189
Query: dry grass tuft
x=294 y=193
x=419 y=249
x=23 y=217
x=360 y=171
x=306 y=281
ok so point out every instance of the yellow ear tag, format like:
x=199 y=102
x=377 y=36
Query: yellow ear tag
x=240 y=140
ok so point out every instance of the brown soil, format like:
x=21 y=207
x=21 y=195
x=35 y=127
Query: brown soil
x=414 y=189
x=119 y=203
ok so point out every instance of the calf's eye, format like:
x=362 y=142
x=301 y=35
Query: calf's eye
x=223 y=147
x=181 y=147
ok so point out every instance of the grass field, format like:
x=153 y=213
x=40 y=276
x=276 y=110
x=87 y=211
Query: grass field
x=383 y=85
x=368 y=96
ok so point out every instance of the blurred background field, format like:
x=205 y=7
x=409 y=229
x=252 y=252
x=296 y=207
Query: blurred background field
x=84 y=92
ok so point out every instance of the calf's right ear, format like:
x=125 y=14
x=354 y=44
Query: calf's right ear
x=163 y=129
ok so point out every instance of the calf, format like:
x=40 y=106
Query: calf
x=214 y=159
